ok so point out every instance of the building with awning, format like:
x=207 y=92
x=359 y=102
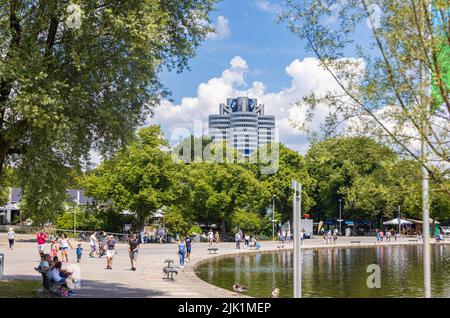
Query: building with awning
x=11 y=210
x=417 y=225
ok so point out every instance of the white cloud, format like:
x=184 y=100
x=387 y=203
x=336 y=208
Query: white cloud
x=306 y=75
x=222 y=29
x=267 y=6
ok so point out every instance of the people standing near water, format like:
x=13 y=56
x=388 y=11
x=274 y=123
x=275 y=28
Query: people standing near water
x=329 y=237
x=289 y=236
x=334 y=237
x=324 y=236
x=388 y=236
x=181 y=252
x=237 y=238
x=378 y=236
x=217 y=237
x=381 y=236
x=210 y=237
x=110 y=251
x=247 y=240
x=11 y=237
x=64 y=244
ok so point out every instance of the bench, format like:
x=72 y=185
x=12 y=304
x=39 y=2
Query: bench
x=413 y=240
x=169 y=262
x=212 y=249
x=169 y=271
x=48 y=284
x=355 y=242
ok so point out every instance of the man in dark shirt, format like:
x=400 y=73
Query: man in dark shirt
x=133 y=251
x=188 y=242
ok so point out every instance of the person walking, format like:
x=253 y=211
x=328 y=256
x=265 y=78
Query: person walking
x=11 y=237
x=142 y=237
x=237 y=238
x=388 y=236
x=247 y=240
x=110 y=251
x=289 y=236
x=217 y=237
x=54 y=248
x=335 y=237
x=64 y=244
x=93 y=242
x=210 y=237
x=188 y=242
x=181 y=252
x=41 y=239
x=378 y=236
x=133 y=250
x=329 y=236
x=381 y=236
x=79 y=252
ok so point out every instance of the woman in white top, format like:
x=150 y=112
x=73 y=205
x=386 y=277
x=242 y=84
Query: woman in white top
x=64 y=245
x=92 y=243
x=11 y=238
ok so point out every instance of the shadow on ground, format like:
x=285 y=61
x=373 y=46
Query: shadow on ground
x=98 y=289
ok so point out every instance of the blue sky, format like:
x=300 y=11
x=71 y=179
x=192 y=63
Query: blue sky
x=255 y=36
x=249 y=55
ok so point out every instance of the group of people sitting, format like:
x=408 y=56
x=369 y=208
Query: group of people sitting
x=52 y=267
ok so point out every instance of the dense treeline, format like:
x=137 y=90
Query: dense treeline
x=370 y=179
x=143 y=177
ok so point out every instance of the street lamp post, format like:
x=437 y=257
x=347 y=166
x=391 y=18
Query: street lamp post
x=273 y=217
x=297 y=208
x=340 y=217
x=399 y=219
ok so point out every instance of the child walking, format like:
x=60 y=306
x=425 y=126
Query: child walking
x=79 y=253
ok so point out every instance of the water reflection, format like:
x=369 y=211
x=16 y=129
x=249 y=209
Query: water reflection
x=334 y=272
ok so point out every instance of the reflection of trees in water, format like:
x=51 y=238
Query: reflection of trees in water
x=335 y=272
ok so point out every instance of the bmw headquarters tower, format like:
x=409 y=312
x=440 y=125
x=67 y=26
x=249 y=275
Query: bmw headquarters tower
x=242 y=123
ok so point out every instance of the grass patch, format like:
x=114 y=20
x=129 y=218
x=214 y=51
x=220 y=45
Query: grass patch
x=19 y=288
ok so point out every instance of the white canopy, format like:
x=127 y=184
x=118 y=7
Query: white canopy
x=395 y=222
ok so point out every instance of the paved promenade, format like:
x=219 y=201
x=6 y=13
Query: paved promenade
x=147 y=280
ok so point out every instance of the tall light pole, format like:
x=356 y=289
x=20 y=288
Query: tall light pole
x=273 y=217
x=399 y=219
x=340 y=217
x=297 y=208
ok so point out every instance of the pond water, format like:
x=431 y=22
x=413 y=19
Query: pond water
x=334 y=272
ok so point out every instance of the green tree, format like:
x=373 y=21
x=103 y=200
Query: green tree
x=73 y=80
x=141 y=177
x=336 y=164
x=176 y=223
x=384 y=88
x=249 y=222
x=291 y=165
